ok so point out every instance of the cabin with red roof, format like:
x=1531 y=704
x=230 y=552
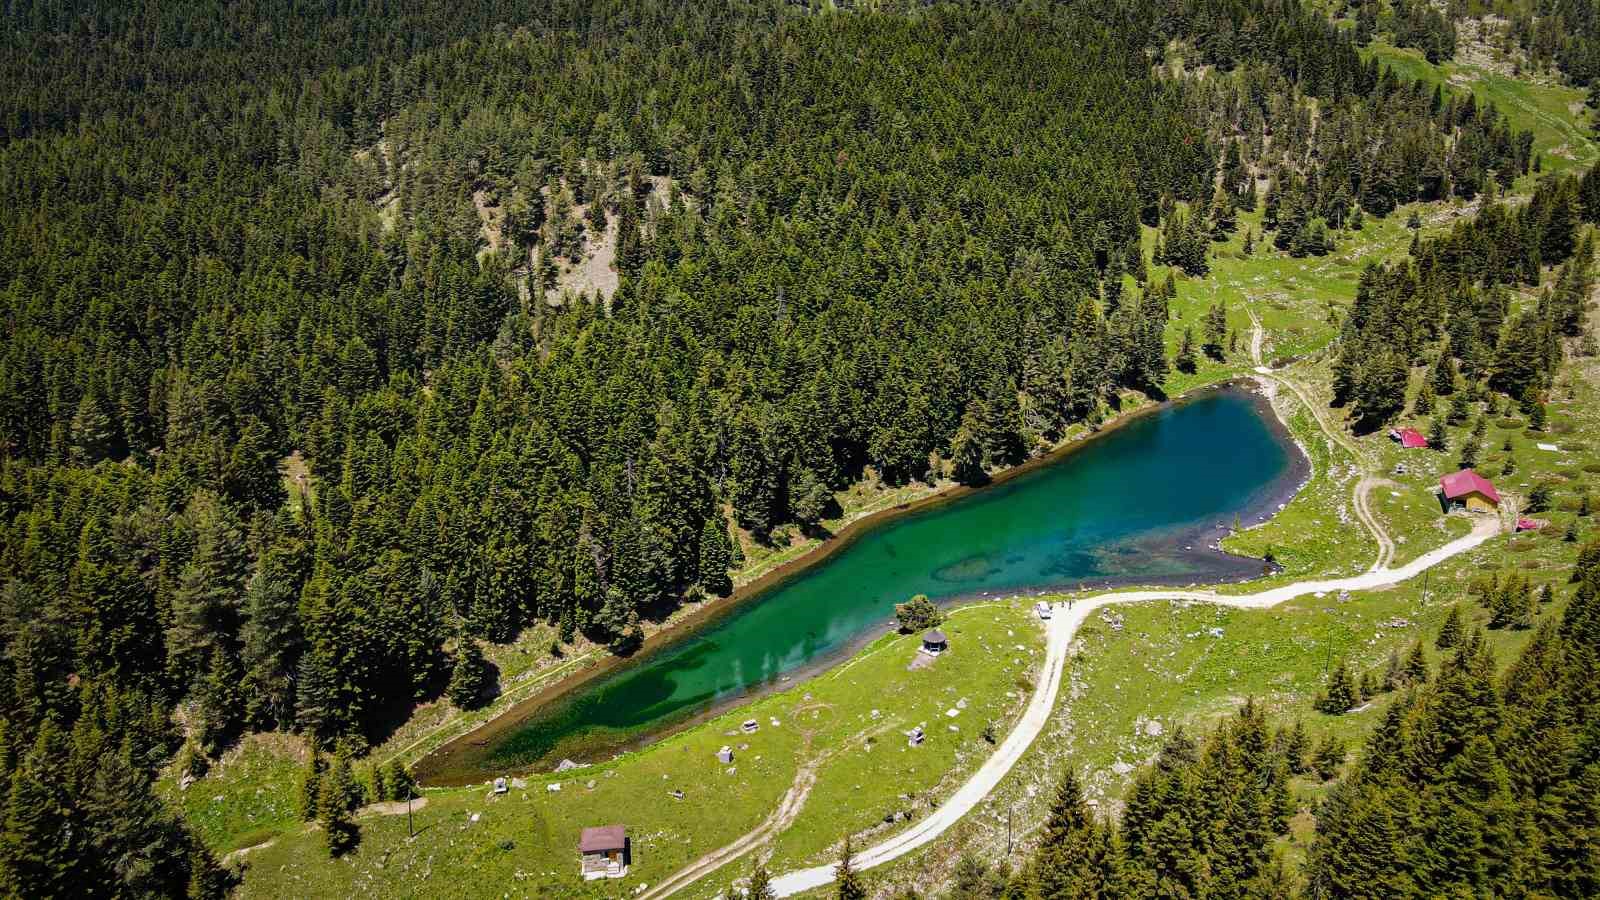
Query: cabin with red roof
x=1409 y=438
x=1468 y=490
x=604 y=852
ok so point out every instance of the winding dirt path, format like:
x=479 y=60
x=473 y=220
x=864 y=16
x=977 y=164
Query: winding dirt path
x=788 y=809
x=1361 y=502
x=1063 y=627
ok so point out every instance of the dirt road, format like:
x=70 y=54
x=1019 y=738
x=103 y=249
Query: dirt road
x=1063 y=627
x=1363 y=490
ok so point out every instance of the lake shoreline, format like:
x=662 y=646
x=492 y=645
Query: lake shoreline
x=452 y=763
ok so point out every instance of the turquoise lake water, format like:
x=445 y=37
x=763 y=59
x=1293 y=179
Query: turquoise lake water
x=1140 y=504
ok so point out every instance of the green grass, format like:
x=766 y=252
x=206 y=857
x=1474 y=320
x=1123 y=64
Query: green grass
x=1551 y=111
x=250 y=795
x=1162 y=666
x=829 y=717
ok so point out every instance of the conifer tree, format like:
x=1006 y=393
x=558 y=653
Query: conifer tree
x=1329 y=758
x=1423 y=405
x=760 y=886
x=1438 y=437
x=1416 y=667
x=1297 y=748
x=1185 y=361
x=966 y=448
x=339 y=831
x=1340 y=694
x=311 y=785
x=849 y=883
x=1216 y=330
x=715 y=553
x=469 y=677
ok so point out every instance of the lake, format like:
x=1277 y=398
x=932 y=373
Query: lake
x=1142 y=503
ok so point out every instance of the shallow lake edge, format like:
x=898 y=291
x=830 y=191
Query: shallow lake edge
x=452 y=764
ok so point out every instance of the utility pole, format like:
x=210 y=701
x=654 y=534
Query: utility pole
x=411 y=829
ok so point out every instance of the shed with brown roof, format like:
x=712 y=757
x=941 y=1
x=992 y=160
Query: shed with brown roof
x=604 y=852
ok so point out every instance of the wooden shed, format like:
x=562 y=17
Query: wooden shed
x=603 y=852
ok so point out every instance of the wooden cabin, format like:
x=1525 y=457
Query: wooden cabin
x=603 y=852
x=1468 y=490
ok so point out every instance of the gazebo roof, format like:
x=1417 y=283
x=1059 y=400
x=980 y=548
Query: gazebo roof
x=934 y=636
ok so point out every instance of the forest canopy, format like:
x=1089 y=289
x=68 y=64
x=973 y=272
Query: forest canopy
x=288 y=422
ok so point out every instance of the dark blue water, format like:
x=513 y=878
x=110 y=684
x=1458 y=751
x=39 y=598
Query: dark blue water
x=1124 y=508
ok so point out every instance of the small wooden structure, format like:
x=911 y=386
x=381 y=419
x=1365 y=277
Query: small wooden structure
x=725 y=755
x=1526 y=524
x=1468 y=490
x=934 y=642
x=604 y=852
x=915 y=736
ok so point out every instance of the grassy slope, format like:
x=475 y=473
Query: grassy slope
x=1162 y=666
x=865 y=767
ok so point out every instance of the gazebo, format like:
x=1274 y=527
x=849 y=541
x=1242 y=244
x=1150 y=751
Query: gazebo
x=934 y=642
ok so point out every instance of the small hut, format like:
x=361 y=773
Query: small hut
x=604 y=852
x=1468 y=490
x=1409 y=438
x=934 y=642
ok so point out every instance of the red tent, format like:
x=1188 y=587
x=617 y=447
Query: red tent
x=1412 y=439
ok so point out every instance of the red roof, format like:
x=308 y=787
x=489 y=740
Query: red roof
x=602 y=840
x=1527 y=524
x=1412 y=439
x=1465 y=482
